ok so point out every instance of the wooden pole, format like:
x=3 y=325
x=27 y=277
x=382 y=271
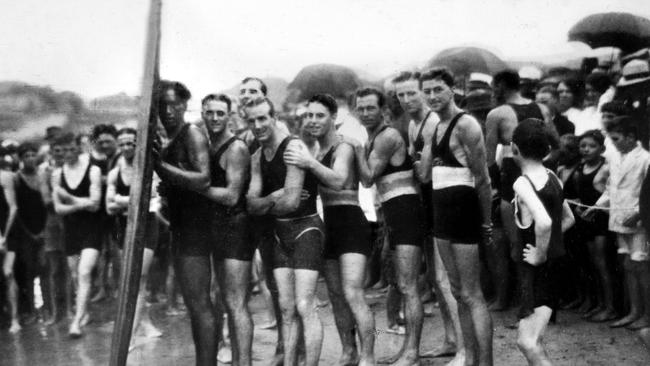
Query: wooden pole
x=139 y=194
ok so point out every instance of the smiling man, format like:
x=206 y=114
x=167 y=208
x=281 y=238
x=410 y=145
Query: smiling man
x=454 y=159
x=276 y=189
x=348 y=242
x=234 y=248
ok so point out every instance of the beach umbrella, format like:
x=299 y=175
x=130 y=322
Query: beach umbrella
x=466 y=60
x=336 y=80
x=628 y=32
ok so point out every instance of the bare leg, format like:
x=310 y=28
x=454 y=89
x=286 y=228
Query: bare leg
x=633 y=293
x=284 y=279
x=529 y=339
x=102 y=274
x=235 y=277
x=407 y=265
x=53 y=270
x=345 y=322
x=453 y=343
x=258 y=268
x=87 y=261
x=599 y=258
x=305 y=293
x=12 y=290
x=142 y=317
x=193 y=273
x=462 y=263
x=352 y=274
x=642 y=274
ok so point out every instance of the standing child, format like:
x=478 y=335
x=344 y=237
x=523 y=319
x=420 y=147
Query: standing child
x=627 y=171
x=542 y=216
x=590 y=178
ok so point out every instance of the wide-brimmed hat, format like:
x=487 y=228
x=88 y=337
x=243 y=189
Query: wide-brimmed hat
x=634 y=72
x=479 y=80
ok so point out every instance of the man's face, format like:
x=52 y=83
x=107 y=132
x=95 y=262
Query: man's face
x=499 y=92
x=318 y=120
x=409 y=95
x=216 y=116
x=71 y=152
x=367 y=110
x=250 y=90
x=566 y=97
x=29 y=159
x=438 y=94
x=171 y=109
x=546 y=99
x=56 y=152
x=260 y=122
x=126 y=143
x=106 y=144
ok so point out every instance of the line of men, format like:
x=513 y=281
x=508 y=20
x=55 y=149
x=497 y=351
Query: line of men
x=219 y=192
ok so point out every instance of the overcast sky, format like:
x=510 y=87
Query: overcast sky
x=96 y=47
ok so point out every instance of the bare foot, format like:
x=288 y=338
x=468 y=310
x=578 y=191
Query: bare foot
x=85 y=320
x=639 y=324
x=15 y=327
x=150 y=331
x=396 y=329
x=408 y=359
x=268 y=325
x=592 y=312
x=624 y=321
x=603 y=316
x=75 y=331
x=224 y=355
x=447 y=350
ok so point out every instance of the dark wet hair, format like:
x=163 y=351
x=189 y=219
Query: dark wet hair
x=259 y=101
x=406 y=76
x=364 y=92
x=326 y=100
x=532 y=138
x=179 y=89
x=26 y=147
x=625 y=125
x=263 y=87
x=616 y=108
x=127 y=131
x=599 y=81
x=509 y=78
x=570 y=153
x=596 y=135
x=103 y=129
x=438 y=73
x=217 y=98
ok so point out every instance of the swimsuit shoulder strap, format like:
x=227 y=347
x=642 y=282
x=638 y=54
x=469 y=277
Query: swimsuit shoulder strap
x=372 y=142
x=424 y=121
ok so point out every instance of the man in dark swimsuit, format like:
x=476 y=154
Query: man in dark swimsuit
x=184 y=169
x=117 y=203
x=386 y=163
x=230 y=171
x=276 y=189
x=25 y=236
x=347 y=230
x=81 y=224
x=411 y=92
x=454 y=160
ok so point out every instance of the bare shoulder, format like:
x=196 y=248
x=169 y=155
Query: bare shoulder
x=196 y=135
x=296 y=143
x=389 y=135
x=239 y=148
x=501 y=112
x=6 y=177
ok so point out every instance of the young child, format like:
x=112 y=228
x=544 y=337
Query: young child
x=542 y=215
x=590 y=179
x=627 y=170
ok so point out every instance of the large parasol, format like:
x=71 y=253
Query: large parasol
x=463 y=61
x=628 y=32
x=324 y=78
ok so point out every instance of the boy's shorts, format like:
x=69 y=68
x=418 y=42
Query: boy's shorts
x=633 y=244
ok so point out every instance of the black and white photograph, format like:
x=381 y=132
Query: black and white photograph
x=335 y=183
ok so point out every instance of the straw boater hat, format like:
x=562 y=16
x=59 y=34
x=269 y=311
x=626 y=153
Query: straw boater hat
x=634 y=72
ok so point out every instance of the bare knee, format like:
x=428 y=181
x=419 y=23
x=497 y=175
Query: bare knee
x=306 y=307
x=287 y=308
x=408 y=288
x=352 y=294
